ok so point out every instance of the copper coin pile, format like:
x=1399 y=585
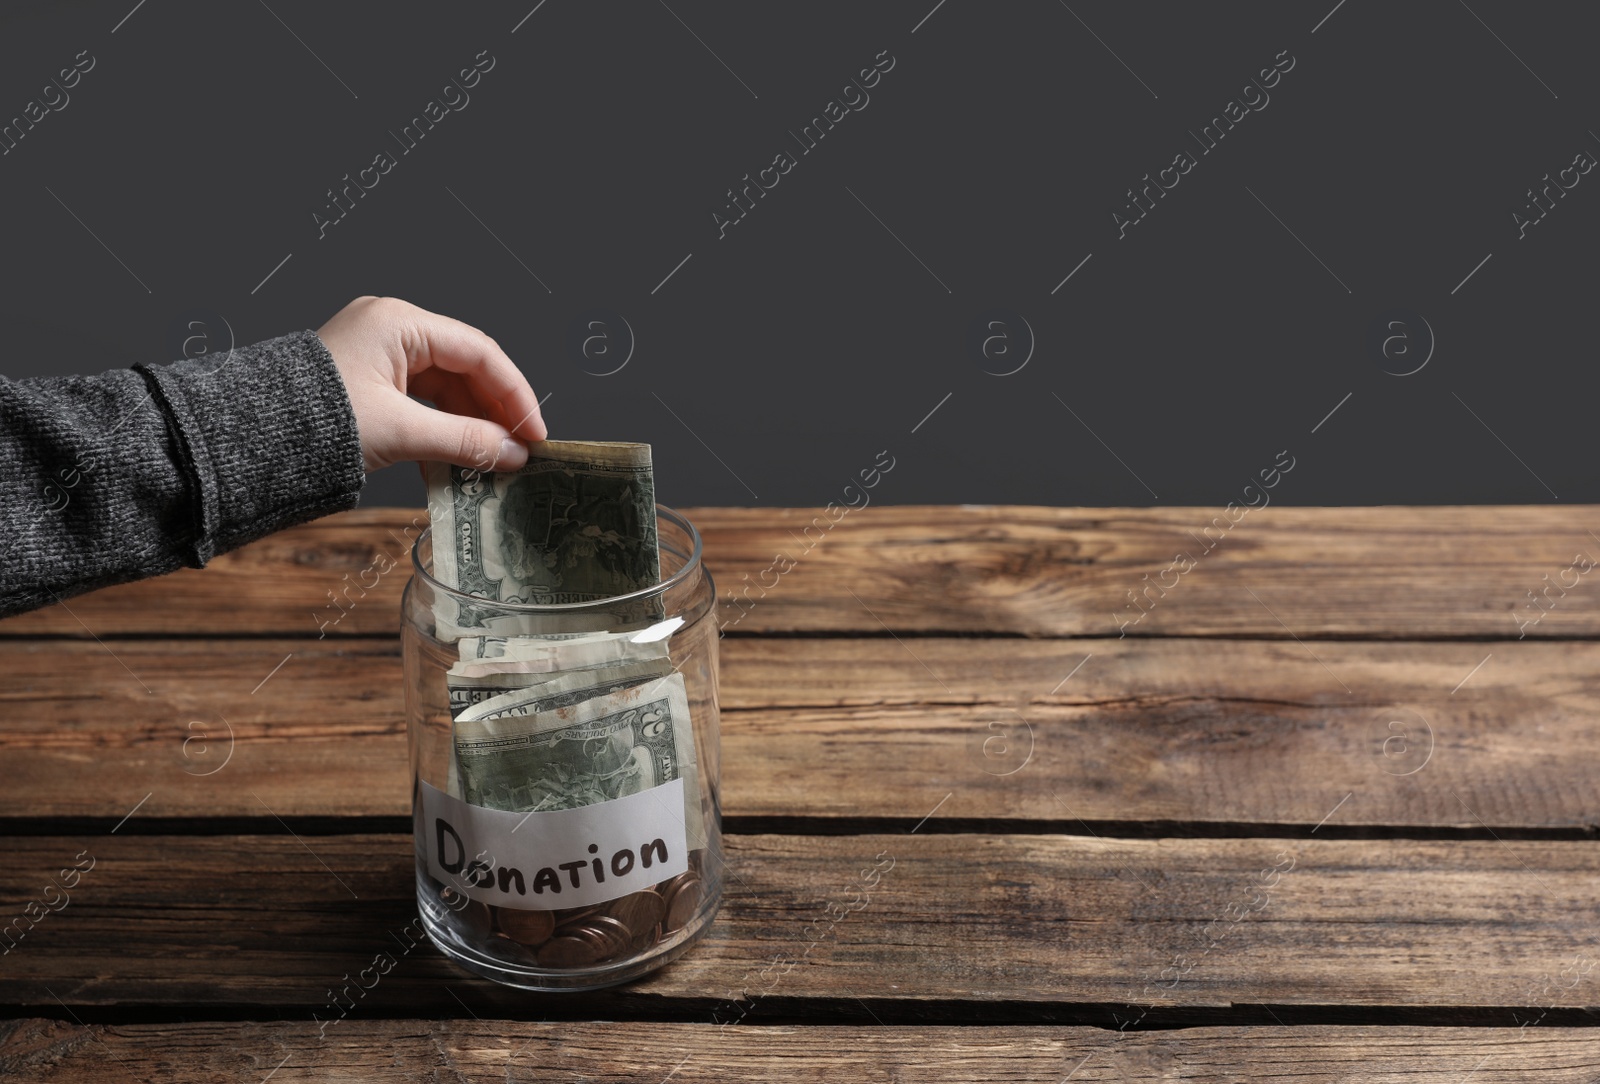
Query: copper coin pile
x=579 y=937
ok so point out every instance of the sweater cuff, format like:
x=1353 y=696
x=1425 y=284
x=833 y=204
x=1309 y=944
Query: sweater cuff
x=267 y=435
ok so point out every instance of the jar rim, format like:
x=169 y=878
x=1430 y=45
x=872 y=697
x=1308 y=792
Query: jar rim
x=678 y=577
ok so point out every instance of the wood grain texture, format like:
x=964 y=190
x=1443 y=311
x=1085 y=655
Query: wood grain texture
x=1376 y=573
x=1263 y=690
x=1237 y=731
x=375 y=1052
x=982 y=921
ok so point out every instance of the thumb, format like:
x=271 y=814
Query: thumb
x=427 y=434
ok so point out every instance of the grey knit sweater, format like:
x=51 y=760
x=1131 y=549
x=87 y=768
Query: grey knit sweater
x=136 y=472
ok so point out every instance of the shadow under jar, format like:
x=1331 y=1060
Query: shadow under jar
x=564 y=763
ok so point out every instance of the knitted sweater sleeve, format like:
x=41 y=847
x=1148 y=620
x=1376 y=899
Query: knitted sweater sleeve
x=136 y=472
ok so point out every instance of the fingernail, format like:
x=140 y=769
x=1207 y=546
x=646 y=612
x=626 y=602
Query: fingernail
x=511 y=450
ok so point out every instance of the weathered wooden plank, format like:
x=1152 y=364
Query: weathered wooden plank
x=1241 y=731
x=980 y=921
x=224 y=727
x=1328 y=572
x=505 y=1052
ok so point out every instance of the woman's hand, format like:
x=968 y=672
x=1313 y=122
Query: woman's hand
x=387 y=350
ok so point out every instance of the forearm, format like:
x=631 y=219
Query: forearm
x=133 y=473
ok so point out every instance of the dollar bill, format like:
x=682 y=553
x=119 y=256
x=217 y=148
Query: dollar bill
x=576 y=524
x=539 y=749
x=527 y=693
x=465 y=692
x=483 y=656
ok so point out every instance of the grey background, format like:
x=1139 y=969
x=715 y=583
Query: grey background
x=827 y=325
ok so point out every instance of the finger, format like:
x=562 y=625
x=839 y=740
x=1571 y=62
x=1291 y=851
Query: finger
x=423 y=433
x=459 y=348
x=453 y=392
x=450 y=393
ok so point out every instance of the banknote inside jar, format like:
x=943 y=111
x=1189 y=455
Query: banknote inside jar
x=582 y=937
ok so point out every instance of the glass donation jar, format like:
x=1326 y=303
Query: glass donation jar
x=564 y=769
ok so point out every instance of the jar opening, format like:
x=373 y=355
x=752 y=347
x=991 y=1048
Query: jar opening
x=663 y=515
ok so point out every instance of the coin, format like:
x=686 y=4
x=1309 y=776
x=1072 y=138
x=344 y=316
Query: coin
x=666 y=888
x=567 y=915
x=567 y=951
x=612 y=935
x=646 y=937
x=682 y=903
x=528 y=927
x=639 y=911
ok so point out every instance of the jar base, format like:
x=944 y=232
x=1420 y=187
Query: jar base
x=545 y=980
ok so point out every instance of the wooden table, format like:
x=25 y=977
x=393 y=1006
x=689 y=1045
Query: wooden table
x=1319 y=814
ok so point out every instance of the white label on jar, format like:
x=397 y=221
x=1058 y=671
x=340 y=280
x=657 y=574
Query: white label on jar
x=559 y=858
